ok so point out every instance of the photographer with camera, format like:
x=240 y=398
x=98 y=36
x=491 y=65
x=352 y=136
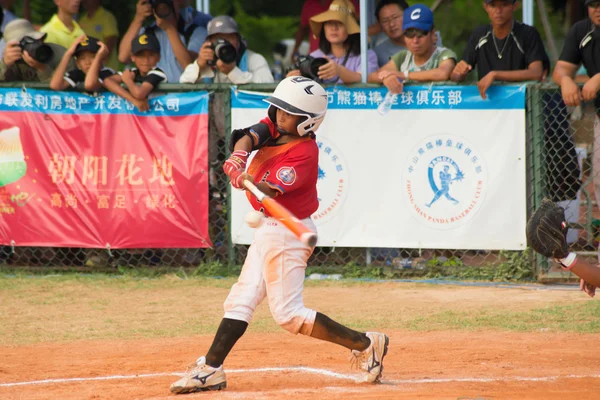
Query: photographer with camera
x=224 y=58
x=179 y=38
x=27 y=57
x=339 y=45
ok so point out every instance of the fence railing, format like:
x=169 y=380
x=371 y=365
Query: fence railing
x=560 y=160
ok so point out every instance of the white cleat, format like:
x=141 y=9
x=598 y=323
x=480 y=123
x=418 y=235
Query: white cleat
x=371 y=359
x=200 y=378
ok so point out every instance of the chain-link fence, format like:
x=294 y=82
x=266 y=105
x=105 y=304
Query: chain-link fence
x=563 y=167
x=559 y=151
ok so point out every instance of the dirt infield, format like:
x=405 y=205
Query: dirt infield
x=438 y=365
x=268 y=363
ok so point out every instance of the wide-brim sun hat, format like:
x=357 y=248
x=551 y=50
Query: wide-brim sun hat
x=339 y=10
x=19 y=28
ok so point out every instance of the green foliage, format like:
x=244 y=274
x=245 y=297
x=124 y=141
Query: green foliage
x=262 y=31
x=216 y=268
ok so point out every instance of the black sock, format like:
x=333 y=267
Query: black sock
x=227 y=335
x=327 y=329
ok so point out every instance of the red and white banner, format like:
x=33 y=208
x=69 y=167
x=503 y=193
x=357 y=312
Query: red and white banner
x=82 y=171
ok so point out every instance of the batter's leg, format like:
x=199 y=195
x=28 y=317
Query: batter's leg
x=327 y=329
x=230 y=330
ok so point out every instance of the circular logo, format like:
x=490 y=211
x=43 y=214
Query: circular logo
x=444 y=181
x=287 y=175
x=332 y=186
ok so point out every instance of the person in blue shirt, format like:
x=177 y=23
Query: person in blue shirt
x=179 y=36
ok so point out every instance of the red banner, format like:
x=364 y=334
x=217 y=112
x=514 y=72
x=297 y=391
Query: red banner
x=97 y=177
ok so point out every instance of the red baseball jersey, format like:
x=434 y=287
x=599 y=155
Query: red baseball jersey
x=292 y=170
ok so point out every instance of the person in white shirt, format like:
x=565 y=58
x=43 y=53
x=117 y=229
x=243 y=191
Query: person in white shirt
x=224 y=58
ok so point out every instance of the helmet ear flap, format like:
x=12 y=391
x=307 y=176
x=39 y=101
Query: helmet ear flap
x=272 y=113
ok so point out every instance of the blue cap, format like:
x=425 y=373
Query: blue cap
x=418 y=16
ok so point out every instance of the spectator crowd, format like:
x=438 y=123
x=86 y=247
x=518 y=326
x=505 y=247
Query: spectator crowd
x=169 y=41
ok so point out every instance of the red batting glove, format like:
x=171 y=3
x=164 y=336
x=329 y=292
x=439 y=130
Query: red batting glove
x=237 y=178
x=235 y=166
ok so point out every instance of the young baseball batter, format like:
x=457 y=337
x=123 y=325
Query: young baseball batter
x=285 y=167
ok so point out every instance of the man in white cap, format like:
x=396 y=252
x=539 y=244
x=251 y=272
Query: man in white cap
x=17 y=64
x=224 y=58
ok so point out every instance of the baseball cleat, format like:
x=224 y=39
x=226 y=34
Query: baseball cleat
x=371 y=359
x=200 y=378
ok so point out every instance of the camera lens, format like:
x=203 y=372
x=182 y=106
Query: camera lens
x=37 y=49
x=162 y=8
x=43 y=54
x=226 y=52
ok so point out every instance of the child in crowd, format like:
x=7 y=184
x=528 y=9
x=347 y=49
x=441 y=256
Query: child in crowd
x=84 y=49
x=145 y=54
x=94 y=80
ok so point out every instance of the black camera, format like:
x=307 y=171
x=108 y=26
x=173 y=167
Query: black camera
x=224 y=51
x=309 y=66
x=37 y=49
x=162 y=8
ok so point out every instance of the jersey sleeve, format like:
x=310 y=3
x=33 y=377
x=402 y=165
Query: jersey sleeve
x=105 y=73
x=74 y=77
x=447 y=54
x=272 y=129
x=534 y=48
x=294 y=171
x=155 y=77
x=570 y=52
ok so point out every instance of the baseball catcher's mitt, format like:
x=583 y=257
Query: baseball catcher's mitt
x=547 y=230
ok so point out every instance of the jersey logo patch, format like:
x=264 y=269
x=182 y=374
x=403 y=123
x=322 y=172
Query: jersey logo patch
x=287 y=175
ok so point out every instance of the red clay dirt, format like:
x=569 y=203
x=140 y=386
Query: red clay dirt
x=467 y=365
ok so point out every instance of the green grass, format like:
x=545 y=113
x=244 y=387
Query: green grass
x=99 y=307
x=581 y=318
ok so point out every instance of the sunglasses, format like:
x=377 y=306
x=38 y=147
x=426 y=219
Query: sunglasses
x=413 y=32
x=594 y=4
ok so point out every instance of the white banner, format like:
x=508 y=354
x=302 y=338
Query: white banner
x=443 y=169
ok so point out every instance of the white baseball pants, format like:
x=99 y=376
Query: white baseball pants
x=274 y=268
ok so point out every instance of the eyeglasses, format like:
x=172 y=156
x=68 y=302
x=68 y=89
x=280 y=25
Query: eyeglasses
x=394 y=18
x=594 y=4
x=414 y=32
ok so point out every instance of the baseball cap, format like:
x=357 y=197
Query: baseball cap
x=587 y=2
x=145 y=41
x=418 y=16
x=222 y=24
x=88 y=44
x=18 y=28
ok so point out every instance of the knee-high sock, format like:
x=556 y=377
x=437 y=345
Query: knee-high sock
x=327 y=329
x=230 y=330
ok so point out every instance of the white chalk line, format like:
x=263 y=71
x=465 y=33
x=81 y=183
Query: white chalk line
x=316 y=371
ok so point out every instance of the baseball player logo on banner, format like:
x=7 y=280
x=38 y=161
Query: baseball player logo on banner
x=333 y=182
x=444 y=180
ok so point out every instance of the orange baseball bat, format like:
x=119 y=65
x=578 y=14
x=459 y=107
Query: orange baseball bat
x=284 y=215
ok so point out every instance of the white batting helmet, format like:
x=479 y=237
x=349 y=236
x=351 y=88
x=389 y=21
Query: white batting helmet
x=302 y=96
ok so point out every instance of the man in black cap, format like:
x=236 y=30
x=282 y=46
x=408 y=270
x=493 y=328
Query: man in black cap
x=84 y=50
x=145 y=54
x=505 y=50
x=225 y=58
